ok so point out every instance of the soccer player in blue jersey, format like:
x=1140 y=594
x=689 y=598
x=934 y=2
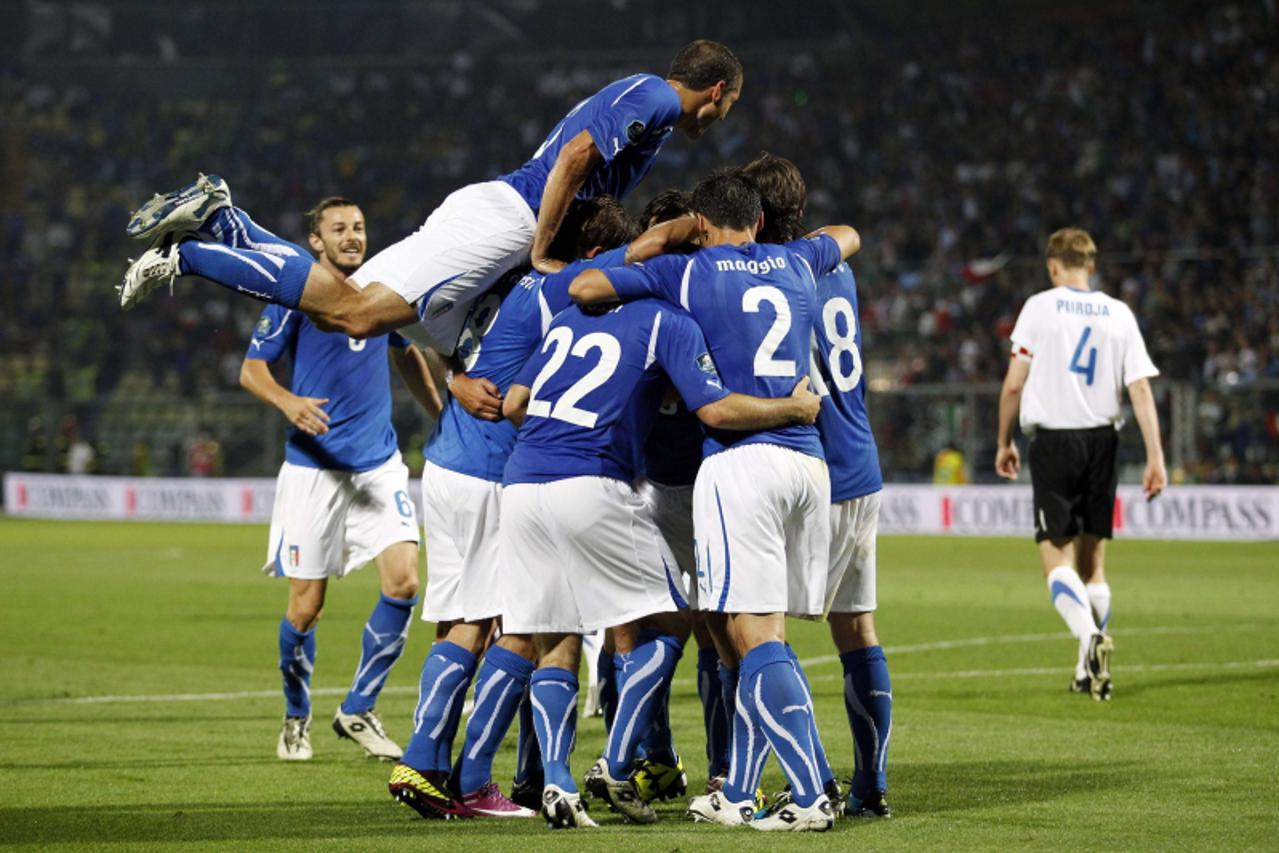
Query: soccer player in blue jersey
x=342 y=494
x=461 y=491
x=424 y=283
x=856 y=483
x=761 y=500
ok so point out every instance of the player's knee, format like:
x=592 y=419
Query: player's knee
x=403 y=586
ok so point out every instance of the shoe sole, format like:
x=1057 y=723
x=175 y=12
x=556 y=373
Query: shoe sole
x=1099 y=668
x=205 y=201
x=562 y=818
x=425 y=806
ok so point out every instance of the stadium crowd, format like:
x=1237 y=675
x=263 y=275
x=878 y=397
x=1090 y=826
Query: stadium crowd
x=955 y=153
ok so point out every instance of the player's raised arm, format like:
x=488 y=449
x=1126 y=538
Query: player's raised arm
x=744 y=412
x=515 y=404
x=1155 y=478
x=577 y=159
x=663 y=238
x=1007 y=458
x=845 y=236
x=591 y=287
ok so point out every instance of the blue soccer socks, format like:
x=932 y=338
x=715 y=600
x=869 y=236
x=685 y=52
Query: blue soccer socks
x=268 y=276
x=297 y=661
x=554 y=695
x=381 y=646
x=446 y=673
x=868 y=699
x=499 y=688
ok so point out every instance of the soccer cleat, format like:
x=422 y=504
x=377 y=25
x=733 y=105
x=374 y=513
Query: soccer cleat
x=156 y=268
x=620 y=794
x=489 y=801
x=527 y=794
x=1097 y=663
x=295 y=739
x=563 y=810
x=872 y=806
x=1081 y=685
x=428 y=798
x=792 y=817
x=783 y=798
x=716 y=808
x=656 y=781
x=366 y=729
x=180 y=210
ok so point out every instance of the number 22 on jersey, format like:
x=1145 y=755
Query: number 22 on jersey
x=566 y=408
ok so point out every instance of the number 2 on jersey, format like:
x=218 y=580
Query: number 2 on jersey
x=565 y=408
x=1090 y=369
x=765 y=363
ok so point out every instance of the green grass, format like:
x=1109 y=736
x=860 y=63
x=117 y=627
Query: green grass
x=988 y=748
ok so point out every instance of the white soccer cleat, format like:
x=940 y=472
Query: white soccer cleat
x=818 y=817
x=622 y=795
x=716 y=808
x=295 y=739
x=156 y=268
x=563 y=810
x=1097 y=664
x=180 y=210
x=366 y=729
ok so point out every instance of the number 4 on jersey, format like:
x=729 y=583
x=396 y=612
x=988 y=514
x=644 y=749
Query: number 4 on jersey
x=1090 y=369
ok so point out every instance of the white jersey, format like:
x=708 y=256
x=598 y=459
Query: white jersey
x=1084 y=348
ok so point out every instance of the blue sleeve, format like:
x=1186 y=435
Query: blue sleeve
x=649 y=105
x=660 y=277
x=682 y=351
x=275 y=332
x=528 y=372
x=821 y=252
x=555 y=286
x=398 y=341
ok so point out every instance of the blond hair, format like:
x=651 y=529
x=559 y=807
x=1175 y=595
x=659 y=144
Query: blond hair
x=1073 y=247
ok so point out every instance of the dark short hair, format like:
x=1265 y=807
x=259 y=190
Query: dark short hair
x=704 y=63
x=783 y=194
x=316 y=214
x=665 y=206
x=728 y=199
x=598 y=221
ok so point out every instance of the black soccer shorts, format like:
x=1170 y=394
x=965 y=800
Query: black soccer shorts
x=1073 y=477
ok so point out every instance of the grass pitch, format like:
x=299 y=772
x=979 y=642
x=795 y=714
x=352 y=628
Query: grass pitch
x=139 y=705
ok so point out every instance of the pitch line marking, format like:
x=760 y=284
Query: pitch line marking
x=814 y=661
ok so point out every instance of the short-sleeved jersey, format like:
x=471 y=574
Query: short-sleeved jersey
x=755 y=303
x=629 y=120
x=352 y=374
x=1084 y=349
x=502 y=330
x=851 y=454
x=596 y=383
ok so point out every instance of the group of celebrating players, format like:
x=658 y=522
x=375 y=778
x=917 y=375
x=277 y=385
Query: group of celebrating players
x=656 y=428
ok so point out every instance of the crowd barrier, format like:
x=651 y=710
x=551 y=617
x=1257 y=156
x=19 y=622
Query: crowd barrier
x=1183 y=512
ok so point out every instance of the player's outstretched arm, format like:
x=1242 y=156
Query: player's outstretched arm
x=744 y=412
x=411 y=364
x=303 y=412
x=663 y=239
x=515 y=405
x=336 y=306
x=591 y=287
x=845 y=235
x=573 y=165
x=1007 y=458
x=1155 y=478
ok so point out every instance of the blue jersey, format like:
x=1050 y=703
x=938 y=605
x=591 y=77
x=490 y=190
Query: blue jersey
x=755 y=303
x=503 y=328
x=596 y=383
x=352 y=374
x=843 y=424
x=629 y=121
x=673 y=452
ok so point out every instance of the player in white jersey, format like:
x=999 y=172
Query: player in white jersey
x=1074 y=350
x=342 y=493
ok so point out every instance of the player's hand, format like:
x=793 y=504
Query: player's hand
x=809 y=403
x=1008 y=462
x=480 y=397
x=546 y=266
x=1154 y=480
x=305 y=414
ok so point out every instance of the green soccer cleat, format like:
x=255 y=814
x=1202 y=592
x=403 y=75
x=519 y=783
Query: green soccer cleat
x=656 y=781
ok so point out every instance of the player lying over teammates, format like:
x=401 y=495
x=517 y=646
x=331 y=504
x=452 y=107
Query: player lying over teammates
x=798 y=496
x=424 y=284
x=342 y=495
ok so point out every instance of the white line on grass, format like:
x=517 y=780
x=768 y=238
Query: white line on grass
x=967 y=642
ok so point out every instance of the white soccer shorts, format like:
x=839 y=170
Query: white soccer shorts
x=325 y=524
x=672 y=510
x=581 y=554
x=854 y=527
x=762 y=517
x=459 y=519
x=475 y=236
